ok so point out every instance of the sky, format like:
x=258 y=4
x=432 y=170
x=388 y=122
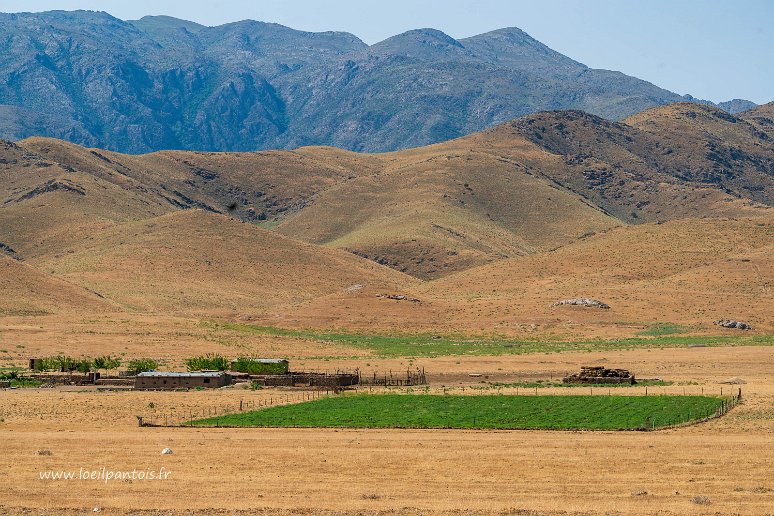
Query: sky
x=712 y=49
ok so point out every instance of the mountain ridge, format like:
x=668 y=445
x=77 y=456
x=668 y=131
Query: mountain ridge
x=160 y=83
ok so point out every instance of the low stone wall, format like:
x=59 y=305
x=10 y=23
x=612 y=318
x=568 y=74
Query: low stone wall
x=310 y=379
x=116 y=382
x=62 y=379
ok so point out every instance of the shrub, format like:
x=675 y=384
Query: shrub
x=251 y=366
x=256 y=386
x=140 y=365
x=210 y=361
x=23 y=382
x=107 y=362
x=57 y=363
x=83 y=366
x=10 y=375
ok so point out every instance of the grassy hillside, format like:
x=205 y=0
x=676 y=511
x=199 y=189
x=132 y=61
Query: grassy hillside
x=706 y=145
x=522 y=188
x=689 y=271
x=194 y=262
x=434 y=211
x=27 y=291
x=497 y=225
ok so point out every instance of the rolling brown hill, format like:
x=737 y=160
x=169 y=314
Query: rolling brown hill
x=47 y=204
x=535 y=184
x=25 y=291
x=636 y=175
x=689 y=272
x=197 y=262
x=440 y=209
x=162 y=231
x=705 y=145
x=528 y=186
x=762 y=117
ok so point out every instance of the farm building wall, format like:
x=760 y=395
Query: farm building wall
x=180 y=382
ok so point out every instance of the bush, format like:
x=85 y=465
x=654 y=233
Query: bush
x=250 y=366
x=25 y=382
x=141 y=365
x=210 y=362
x=107 y=362
x=57 y=363
x=83 y=366
x=9 y=375
x=256 y=386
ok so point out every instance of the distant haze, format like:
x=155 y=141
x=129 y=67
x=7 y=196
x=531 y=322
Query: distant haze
x=712 y=49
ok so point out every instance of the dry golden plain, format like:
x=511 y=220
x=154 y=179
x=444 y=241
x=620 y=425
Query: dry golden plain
x=396 y=472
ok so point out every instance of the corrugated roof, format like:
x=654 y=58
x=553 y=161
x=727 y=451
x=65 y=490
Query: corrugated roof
x=167 y=374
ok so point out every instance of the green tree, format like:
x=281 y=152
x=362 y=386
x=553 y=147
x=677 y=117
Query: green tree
x=107 y=362
x=210 y=361
x=140 y=365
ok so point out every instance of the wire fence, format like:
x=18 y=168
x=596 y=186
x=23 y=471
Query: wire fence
x=178 y=418
x=185 y=417
x=408 y=378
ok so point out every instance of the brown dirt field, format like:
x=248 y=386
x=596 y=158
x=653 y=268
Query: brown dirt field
x=167 y=339
x=389 y=471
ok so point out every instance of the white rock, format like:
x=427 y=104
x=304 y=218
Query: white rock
x=166 y=451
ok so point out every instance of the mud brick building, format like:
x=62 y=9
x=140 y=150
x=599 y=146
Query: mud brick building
x=154 y=380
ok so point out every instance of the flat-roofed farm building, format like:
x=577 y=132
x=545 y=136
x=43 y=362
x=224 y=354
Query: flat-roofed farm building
x=154 y=380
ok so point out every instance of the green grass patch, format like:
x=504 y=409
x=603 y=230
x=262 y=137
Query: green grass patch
x=661 y=329
x=491 y=411
x=429 y=345
x=26 y=383
x=268 y=224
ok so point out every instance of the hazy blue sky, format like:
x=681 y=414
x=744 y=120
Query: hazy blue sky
x=713 y=49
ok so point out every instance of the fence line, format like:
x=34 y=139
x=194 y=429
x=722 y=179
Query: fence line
x=399 y=379
x=177 y=418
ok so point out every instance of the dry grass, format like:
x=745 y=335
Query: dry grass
x=409 y=471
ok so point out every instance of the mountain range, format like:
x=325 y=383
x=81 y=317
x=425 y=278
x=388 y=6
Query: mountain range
x=161 y=83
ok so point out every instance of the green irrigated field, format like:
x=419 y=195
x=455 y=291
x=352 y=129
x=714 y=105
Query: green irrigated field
x=491 y=411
